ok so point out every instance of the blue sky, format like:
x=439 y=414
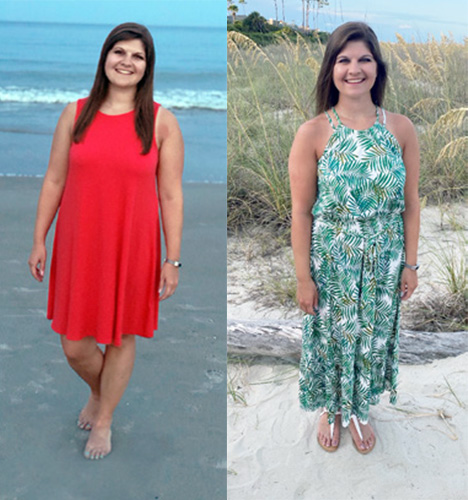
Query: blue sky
x=152 y=12
x=418 y=18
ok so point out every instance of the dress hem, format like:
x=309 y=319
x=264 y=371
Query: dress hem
x=77 y=338
x=345 y=421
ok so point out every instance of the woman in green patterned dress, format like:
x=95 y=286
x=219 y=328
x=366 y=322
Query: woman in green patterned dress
x=354 y=173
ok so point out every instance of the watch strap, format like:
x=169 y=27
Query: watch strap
x=175 y=263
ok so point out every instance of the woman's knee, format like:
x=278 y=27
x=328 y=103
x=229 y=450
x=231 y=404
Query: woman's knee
x=126 y=342
x=78 y=351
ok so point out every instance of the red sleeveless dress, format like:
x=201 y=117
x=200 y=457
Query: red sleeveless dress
x=105 y=266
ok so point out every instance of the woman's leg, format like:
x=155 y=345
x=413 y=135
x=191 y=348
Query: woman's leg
x=115 y=375
x=85 y=357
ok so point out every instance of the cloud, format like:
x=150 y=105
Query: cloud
x=405 y=26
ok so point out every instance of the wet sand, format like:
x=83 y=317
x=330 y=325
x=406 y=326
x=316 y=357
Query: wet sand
x=169 y=432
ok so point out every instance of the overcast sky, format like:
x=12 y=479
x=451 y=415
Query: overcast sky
x=152 y=12
x=417 y=18
x=411 y=18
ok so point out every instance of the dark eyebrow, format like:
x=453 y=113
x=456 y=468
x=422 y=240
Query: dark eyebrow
x=122 y=48
x=347 y=57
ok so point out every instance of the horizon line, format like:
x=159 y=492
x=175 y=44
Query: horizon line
x=108 y=24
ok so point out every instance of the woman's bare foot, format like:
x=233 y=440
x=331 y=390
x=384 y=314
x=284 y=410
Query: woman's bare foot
x=89 y=413
x=326 y=441
x=99 y=442
x=367 y=443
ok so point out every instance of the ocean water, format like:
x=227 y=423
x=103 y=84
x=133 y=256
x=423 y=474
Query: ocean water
x=43 y=66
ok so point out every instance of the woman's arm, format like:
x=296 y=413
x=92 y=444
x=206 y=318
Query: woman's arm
x=411 y=215
x=303 y=179
x=52 y=189
x=169 y=180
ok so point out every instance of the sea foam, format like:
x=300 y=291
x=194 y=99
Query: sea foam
x=215 y=100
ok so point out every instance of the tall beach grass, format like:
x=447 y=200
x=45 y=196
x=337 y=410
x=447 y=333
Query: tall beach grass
x=271 y=94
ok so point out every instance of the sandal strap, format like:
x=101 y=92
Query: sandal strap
x=357 y=426
x=332 y=426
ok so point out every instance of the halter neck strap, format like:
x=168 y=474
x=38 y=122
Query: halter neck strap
x=377 y=119
x=330 y=120
x=336 y=115
x=384 y=115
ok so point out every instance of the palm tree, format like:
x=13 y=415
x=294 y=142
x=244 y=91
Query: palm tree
x=242 y=2
x=276 y=9
x=318 y=5
x=234 y=10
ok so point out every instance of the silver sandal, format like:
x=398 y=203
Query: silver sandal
x=357 y=426
x=332 y=430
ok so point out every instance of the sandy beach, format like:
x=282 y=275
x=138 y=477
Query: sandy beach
x=421 y=451
x=169 y=433
x=252 y=264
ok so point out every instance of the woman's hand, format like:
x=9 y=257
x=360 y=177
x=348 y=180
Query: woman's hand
x=307 y=296
x=169 y=280
x=37 y=261
x=409 y=283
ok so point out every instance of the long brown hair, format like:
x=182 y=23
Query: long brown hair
x=325 y=91
x=144 y=109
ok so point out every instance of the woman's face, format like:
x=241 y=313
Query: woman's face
x=126 y=63
x=355 y=69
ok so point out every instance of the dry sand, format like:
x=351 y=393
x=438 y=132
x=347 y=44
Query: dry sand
x=421 y=452
x=443 y=233
x=273 y=453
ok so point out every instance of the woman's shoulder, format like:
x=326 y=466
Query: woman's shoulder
x=72 y=108
x=166 y=124
x=317 y=126
x=68 y=114
x=165 y=117
x=402 y=128
x=399 y=121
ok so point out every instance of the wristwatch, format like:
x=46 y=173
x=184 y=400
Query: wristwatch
x=175 y=263
x=413 y=268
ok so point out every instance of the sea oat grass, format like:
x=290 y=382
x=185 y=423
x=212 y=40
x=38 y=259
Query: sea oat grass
x=271 y=94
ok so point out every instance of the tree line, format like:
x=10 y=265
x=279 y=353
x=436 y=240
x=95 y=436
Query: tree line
x=308 y=6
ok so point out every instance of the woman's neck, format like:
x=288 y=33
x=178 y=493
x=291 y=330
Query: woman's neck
x=356 y=108
x=119 y=100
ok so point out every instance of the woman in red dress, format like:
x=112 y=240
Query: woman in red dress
x=116 y=161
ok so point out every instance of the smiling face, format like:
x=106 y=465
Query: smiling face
x=355 y=70
x=126 y=63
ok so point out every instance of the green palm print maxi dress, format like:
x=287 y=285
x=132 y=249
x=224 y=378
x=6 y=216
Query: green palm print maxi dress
x=350 y=347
